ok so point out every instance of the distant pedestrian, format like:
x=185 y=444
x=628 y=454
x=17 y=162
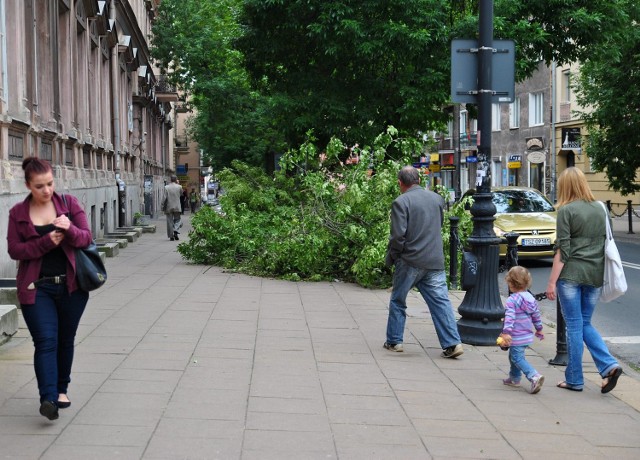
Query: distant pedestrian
x=415 y=248
x=577 y=275
x=44 y=231
x=171 y=208
x=184 y=199
x=193 y=200
x=520 y=317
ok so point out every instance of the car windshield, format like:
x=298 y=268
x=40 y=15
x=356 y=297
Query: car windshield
x=514 y=201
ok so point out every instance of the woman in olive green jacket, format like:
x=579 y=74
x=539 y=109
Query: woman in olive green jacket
x=577 y=275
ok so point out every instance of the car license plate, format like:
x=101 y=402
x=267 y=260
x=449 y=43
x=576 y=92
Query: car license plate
x=536 y=241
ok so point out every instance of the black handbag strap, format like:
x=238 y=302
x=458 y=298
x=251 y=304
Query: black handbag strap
x=64 y=200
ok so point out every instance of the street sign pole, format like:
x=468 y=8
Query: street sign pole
x=481 y=309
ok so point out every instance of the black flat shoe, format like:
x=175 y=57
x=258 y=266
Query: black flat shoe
x=49 y=409
x=612 y=380
x=63 y=404
x=566 y=386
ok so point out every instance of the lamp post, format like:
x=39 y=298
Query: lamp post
x=481 y=308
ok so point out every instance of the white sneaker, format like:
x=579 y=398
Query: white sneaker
x=453 y=351
x=395 y=347
x=536 y=384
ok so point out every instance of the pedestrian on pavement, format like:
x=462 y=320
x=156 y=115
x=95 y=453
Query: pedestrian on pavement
x=415 y=248
x=184 y=198
x=193 y=200
x=577 y=275
x=520 y=316
x=171 y=207
x=43 y=232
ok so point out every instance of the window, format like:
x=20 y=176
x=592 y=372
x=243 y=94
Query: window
x=536 y=106
x=463 y=122
x=68 y=155
x=16 y=147
x=566 y=86
x=46 y=151
x=514 y=113
x=495 y=117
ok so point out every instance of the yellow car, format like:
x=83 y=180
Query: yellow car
x=529 y=213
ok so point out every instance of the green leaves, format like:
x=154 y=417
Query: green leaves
x=332 y=222
x=609 y=86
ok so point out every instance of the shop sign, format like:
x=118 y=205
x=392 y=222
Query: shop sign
x=537 y=157
x=571 y=139
x=515 y=162
x=535 y=143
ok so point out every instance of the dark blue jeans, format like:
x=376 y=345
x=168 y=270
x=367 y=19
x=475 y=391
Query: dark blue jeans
x=53 y=321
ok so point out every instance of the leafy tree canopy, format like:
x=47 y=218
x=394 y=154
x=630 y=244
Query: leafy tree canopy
x=609 y=87
x=264 y=72
x=192 y=42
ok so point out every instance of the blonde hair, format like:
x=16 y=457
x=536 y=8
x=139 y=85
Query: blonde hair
x=518 y=278
x=573 y=186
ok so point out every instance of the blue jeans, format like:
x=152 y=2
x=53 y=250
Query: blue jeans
x=53 y=321
x=578 y=302
x=519 y=364
x=432 y=285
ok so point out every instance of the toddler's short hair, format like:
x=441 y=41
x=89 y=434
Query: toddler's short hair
x=519 y=278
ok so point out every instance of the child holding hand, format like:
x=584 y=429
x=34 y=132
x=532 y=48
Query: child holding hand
x=521 y=314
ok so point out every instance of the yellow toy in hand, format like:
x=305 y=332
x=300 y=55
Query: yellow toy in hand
x=503 y=341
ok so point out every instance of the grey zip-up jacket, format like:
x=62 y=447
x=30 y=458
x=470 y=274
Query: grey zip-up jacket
x=416 y=225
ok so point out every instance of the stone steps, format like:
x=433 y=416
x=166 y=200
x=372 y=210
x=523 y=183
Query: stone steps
x=109 y=246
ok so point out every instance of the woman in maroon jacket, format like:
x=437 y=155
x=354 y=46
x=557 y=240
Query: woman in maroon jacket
x=42 y=235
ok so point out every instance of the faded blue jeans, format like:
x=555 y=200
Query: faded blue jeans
x=519 y=364
x=53 y=321
x=432 y=284
x=578 y=301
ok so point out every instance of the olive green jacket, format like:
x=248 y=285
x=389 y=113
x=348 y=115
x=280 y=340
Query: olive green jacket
x=581 y=232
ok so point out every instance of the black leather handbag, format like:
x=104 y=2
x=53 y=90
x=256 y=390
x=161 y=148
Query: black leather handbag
x=90 y=270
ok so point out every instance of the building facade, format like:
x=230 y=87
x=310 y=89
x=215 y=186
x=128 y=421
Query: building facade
x=78 y=89
x=521 y=133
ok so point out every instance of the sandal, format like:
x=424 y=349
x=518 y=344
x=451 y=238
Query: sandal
x=566 y=386
x=612 y=380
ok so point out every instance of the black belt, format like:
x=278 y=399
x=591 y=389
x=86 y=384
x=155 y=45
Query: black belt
x=60 y=279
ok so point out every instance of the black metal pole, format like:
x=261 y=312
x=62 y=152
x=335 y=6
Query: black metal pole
x=562 y=357
x=630 y=212
x=482 y=309
x=512 y=249
x=453 y=251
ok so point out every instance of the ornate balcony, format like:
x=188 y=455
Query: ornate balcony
x=165 y=92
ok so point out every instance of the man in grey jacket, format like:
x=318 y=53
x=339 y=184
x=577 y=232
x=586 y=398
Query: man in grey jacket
x=415 y=248
x=171 y=207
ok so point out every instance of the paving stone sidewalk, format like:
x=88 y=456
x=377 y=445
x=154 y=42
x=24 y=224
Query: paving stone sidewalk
x=181 y=361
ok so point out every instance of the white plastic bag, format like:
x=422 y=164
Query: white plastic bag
x=615 y=283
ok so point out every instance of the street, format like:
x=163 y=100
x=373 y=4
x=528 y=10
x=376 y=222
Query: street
x=619 y=321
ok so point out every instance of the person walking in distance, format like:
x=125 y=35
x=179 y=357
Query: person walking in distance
x=520 y=316
x=415 y=249
x=193 y=200
x=172 y=208
x=44 y=231
x=576 y=278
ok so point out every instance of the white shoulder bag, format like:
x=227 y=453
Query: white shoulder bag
x=615 y=283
